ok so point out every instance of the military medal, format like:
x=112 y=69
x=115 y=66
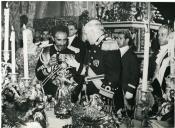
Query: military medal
x=96 y=62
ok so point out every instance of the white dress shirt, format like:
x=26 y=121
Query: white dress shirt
x=123 y=50
x=71 y=39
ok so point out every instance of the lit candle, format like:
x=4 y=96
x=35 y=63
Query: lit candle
x=12 y=39
x=25 y=53
x=145 y=62
x=146 y=54
x=6 y=38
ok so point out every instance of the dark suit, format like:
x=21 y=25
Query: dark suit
x=77 y=43
x=41 y=68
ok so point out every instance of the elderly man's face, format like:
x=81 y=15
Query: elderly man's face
x=60 y=40
x=92 y=31
x=162 y=36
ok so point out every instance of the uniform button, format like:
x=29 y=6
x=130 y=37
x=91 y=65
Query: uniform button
x=92 y=57
x=110 y=83
x=89 y=50
x=95 y=51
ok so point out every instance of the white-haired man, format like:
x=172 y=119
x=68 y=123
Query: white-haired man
x=102 y=62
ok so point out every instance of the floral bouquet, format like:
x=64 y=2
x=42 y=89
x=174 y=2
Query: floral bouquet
x=21 y=104
x=91 y=114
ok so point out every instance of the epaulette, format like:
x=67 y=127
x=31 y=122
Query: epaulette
x=109 y=45
x=46 y=50
x=45 y=55
x=44 y=44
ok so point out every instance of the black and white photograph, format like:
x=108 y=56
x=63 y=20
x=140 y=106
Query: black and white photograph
x=87 y=64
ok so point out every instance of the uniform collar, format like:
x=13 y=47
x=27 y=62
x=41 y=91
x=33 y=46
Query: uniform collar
x=71 y=38
x=123 y=50
x=100 y=39
x=163 y=48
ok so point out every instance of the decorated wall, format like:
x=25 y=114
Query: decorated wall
x=105 y=11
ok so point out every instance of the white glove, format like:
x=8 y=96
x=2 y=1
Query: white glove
x=70 y=60
x=128 y=95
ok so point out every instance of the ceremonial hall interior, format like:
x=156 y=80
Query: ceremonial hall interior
x=87 y=64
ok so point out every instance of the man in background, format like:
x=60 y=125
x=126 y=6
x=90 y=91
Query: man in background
x=130 y=70
x=159 y=63
x=75 y=43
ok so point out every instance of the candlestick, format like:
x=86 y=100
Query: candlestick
x=25 y=53
x=12 y=39
x=6 y=38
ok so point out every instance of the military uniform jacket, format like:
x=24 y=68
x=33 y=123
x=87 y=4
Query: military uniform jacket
x=130 y=71
x=103 y=58
x=42 y=71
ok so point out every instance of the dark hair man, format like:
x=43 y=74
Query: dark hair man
x=130 y=69
x=51 y=58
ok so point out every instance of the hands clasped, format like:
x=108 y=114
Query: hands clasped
x=53 y=60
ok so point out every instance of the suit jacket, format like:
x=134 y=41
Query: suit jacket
x=130 y=71
x=77 y=43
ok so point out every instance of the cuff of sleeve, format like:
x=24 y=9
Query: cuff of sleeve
x=131 y=88
x=106 y=91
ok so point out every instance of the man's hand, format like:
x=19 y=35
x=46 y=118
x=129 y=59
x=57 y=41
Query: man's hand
x=53 y=60
x=128 y=95
x=70 y=60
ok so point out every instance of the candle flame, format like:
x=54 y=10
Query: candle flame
x=24 y=26
x=12 y=28
x=7 y=5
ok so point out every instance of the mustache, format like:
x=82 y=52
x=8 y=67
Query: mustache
x=61 y=46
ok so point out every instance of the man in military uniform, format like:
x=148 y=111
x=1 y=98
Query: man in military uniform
x=102 y=66
x=50 y=59
x=130 y=69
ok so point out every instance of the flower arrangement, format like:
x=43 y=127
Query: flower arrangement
x=21 y=104
x=91 y=114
